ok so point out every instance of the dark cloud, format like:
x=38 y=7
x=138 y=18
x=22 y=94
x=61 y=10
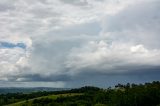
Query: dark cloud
x=76 y=2
x=43 y=78
x=106 y=80
x=136 y=23
x=5 y=6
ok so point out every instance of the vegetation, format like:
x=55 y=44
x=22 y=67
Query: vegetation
x=42 y=100
x=147 y=94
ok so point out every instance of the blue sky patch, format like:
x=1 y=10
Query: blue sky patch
x=12 y=45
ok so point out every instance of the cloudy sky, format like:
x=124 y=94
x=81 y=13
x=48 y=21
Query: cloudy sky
x=72 y=43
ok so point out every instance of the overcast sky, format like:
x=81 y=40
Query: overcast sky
x=72 y=43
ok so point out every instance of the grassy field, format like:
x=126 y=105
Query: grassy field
x=29 y=102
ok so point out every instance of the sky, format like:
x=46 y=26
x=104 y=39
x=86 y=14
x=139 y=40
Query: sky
x=74 y=43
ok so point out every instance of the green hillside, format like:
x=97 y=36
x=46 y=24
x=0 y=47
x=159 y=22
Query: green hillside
x=45 y=98
x=147 y=94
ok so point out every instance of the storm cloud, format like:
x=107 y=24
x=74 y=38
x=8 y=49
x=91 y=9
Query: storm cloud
x=72 y=43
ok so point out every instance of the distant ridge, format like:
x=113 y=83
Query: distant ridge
x=4 y=90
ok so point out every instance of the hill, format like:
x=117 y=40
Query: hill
x=147 y=94
x=5 y=90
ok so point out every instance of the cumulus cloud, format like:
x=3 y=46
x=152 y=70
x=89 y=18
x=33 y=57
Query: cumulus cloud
x=112 y=58
x=69 y=40
x=137 y=23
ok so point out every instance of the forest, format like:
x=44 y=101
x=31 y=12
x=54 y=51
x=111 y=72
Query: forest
x=147 y=94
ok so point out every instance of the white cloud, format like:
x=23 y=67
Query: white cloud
x=9 y=57
x=12 y=59
x=111 y=58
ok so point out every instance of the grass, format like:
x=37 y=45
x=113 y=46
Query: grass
x=29 y=102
